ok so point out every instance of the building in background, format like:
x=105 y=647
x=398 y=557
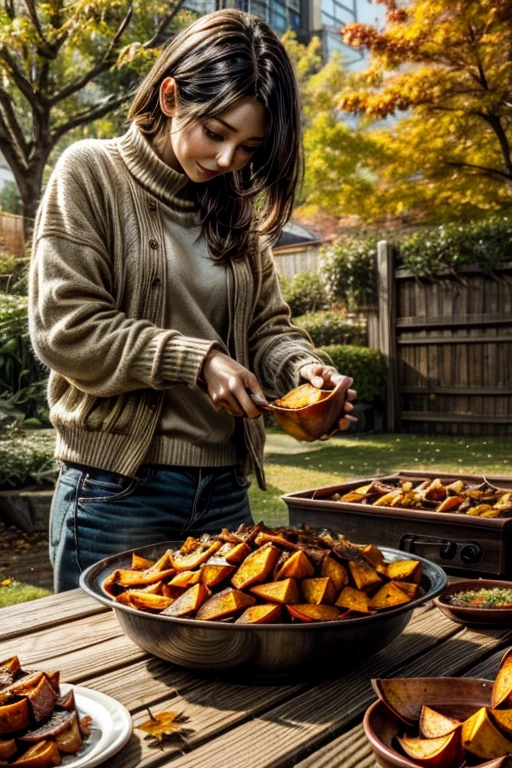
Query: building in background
x=323 y=18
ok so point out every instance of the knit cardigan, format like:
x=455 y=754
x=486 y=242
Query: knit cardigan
x=97 y=294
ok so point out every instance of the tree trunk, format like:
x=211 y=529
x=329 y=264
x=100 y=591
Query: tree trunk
x=30 y=193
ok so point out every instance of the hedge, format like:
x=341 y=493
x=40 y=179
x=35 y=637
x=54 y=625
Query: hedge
x=334 y=328
x=366 y=366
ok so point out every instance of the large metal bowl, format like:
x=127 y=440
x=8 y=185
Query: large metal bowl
x=273 y=652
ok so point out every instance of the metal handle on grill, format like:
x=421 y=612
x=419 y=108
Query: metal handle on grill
x=468 y=552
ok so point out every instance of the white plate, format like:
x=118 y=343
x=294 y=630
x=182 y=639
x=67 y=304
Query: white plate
x=111 y=726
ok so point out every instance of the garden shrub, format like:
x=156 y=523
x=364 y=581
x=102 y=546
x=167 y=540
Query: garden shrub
x=305 y=292
x=366 y=366
x=23 y=379
x=329 y=327
x=26 y=459
x=348 y=268
x=430 y=251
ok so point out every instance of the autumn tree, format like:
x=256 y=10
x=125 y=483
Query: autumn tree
x=65 y=64
x=440 y=72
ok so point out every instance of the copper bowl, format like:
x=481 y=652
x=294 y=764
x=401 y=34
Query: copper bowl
x=261 y=652
x=460 y=697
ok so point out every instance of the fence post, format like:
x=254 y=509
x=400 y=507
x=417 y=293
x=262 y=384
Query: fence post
x=386 y=331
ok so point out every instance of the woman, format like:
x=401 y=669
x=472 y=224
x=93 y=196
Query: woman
x=155 y=303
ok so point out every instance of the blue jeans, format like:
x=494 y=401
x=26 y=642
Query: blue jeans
x=96 y=513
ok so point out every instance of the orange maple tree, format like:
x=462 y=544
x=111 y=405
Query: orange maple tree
x=447 y=66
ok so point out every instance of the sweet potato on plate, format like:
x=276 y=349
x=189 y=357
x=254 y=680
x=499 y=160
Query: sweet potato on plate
x=309 y=612
x=296 y=566
x=189 y=602
x=319 y=590
x=482 y=739
x=354 y=600
x=335 y=571
x=443 y=751
x=404 y=570
x=256 y=566
x=388 y=596
x=435 y=724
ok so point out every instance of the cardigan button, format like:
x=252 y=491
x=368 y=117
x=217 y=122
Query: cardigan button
x=156 y=282
x=153 y=244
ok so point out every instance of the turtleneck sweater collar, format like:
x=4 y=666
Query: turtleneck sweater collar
x=156 y=176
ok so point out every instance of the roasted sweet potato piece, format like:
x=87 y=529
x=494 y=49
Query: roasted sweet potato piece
x=42 y=755
x=185 y=579
x=8 y=748
x=388 y=596
x=318 y=590
x=141 y=563
x=410 y=589
x=15 y=715
x=278 y=539
x=8 y=670
x=436 y=491
x=297 y=566
x=373 y=554
x=450 y=504
x=256 y=567
x=144 y=601
x=301 y=396
x=260 y=614
x=404 y=570
x=195 y=558
x=502 y=687
x=212 y=574
x=481 y=738
x=446 y=750
x=224 y=603
x=309 y=612
x=434 y=724
x=282 y=592
x=365 y=577
x=503 y=719
x=385 y=501
x=353 y=497
x=189 y=602
x=237 y=553
x=40 y=694
x=354 y=600
x=335 y=571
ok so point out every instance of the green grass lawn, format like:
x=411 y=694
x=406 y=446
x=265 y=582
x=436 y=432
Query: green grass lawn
x=294 y=466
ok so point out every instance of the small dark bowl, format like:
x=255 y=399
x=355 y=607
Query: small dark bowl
x=495 y=618
x=460 y=697
x=265 y=652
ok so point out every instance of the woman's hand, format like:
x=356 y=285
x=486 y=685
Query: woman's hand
x=229 y=386
x=327 y=377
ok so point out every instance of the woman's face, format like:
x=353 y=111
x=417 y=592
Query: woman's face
x=222 y=144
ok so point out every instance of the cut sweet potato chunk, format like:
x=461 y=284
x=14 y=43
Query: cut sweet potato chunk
x=404 y=570
x=309 y=612
x=450 y=504
x=305 y=394
x=318 y=590
x=8 y=748
x=282 y=592
x=189 y=602
x=411 y=590
x=354 y=600
x=256 y=567
x=503 y=719
x=446 y=750
x=40 y=694
x=434 y=724
x=8 y=670
x=140 y=563
x=261 y=614
x=215 y=573
x=365 y=577
x=502 y=687
x=237 y=553
x=481 y=738
x=373 y=554
x=224 y=603
x=388 y=596
x=335 y=571
x=195 y=558
x=185 y=579
x=144 y=601
x=297 y=566
x=14 y=716
x=42 y=755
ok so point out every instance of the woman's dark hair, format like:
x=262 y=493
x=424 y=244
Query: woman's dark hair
x=218 y=59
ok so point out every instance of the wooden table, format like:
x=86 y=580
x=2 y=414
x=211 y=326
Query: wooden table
x=311 y=725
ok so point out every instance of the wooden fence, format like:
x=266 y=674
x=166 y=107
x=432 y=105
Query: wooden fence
x=302 y=257
x=448 y=344
x=12 y=240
